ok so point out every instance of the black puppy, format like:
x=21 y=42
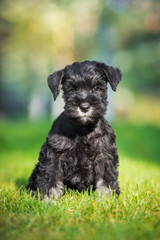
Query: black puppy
x=80 y=150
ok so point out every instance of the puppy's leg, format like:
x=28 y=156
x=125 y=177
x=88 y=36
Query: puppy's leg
x=47 y=175
x=107 y=178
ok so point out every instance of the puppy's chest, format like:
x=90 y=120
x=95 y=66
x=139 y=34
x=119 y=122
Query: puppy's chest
x=80 y=154
x=78 y=165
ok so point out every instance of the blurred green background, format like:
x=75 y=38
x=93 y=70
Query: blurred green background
x=40 y=36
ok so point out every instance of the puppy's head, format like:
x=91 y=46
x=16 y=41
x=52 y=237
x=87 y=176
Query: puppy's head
x=84 y=86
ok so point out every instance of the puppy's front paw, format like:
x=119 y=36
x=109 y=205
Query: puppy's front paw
x=48 y=200
x=103 y=191
x=54 y=193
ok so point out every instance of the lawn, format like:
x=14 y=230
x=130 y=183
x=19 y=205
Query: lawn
x=134 y=215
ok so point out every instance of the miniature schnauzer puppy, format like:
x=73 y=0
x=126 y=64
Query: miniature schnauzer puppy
x=80 y=150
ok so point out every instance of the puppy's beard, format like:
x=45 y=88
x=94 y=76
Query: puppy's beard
x=84 y=114
x=84 y=117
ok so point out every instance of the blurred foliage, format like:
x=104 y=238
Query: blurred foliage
x=40 y=36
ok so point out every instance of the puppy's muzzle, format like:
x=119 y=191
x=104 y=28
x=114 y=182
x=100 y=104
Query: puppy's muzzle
x=84 y=107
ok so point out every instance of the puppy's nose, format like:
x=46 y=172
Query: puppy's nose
x=84 y=107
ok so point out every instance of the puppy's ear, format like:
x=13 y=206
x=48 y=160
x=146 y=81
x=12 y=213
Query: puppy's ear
x=113 y=75
x=54 y=82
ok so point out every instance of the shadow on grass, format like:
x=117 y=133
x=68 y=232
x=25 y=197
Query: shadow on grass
x=138 y=141
x=21 y=182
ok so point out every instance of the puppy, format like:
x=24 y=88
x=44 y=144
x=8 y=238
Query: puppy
x=80 y=150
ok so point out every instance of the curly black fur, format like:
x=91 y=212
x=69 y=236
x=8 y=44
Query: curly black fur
x=80 y=149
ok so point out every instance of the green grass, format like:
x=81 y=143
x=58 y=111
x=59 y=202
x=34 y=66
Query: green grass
x=134 y=215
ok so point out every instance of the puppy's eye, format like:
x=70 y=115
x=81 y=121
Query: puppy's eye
x=96 y=89
x=72 y=89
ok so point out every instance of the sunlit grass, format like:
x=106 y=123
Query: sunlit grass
x=134 y=215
